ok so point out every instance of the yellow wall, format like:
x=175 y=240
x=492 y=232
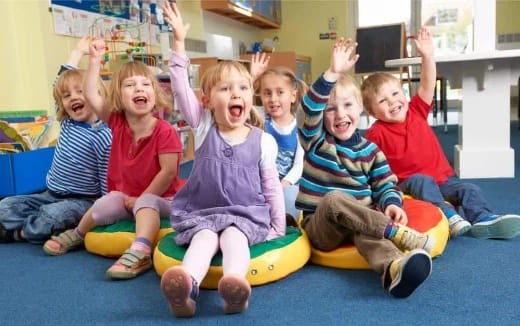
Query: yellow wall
x=302 y=22
x=31 y=52
x=508 y=13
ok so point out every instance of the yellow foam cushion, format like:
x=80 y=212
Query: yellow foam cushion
x=422 y=216
x=270 y=260
x=112 y=240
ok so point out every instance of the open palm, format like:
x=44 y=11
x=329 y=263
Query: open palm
x=343 y=56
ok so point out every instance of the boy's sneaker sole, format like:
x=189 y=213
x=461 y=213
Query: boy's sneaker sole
x=503 y=227
x=414 y=270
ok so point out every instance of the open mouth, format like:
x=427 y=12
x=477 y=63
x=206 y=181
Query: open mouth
x=342 y=126
x=395 y=110
x=140 y=100
x=236 y=111
x=76 y=107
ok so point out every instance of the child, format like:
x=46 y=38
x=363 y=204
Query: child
x=345 y=178
x=77 y=175
x=143 y=165
x=414 y=154
x=233 y=198
x=281 y=93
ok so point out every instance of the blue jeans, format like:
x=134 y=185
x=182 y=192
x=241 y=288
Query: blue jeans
x=289 y=195
x=42 y=215
x=463 y=196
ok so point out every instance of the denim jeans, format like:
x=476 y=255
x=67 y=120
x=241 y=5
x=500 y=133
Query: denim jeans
x=463 y=196
x=42 y=215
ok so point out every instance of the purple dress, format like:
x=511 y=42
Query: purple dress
x=224 y=189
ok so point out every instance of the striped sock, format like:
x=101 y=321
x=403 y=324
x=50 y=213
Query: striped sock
x=142 y=244
x=391 y=230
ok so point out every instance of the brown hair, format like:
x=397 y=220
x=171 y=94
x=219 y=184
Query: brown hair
x=281 y=71
x=371 y=86
x=66 y=79
x=214 y=74
x=136 y=68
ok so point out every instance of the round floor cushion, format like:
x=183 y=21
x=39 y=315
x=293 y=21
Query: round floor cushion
x=270 y=260
x=422 y=216
x=112 y=240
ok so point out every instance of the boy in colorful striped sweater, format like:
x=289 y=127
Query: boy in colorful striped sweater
x=347 y=191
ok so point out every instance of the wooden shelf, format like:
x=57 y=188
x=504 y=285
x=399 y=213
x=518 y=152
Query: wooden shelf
x=237 y=12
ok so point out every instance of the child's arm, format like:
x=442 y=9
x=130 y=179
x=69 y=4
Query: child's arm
x=191 y=108
x=315 y=100
x=296 y=171
x=271 y=186
x=91 y=86
x=81 y=49
x=259 y=63
x=424 y=45
x=164 y=178
x=383 y=183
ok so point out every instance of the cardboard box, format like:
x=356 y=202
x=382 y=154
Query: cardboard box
x=24 y=173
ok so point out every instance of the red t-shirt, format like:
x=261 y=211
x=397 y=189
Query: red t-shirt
x=411 y=146
x=131 y=168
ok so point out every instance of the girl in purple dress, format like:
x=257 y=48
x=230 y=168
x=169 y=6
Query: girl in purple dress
x=233 y=198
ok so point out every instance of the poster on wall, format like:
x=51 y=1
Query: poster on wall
x=122 y=20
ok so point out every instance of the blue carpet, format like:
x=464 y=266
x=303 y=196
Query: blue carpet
x=475 y=282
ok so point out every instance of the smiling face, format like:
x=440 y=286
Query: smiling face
x=137 y=95
x=68 y=93
x=388 y=103
x=342 y=114
x=230 y=99
x=278 y=94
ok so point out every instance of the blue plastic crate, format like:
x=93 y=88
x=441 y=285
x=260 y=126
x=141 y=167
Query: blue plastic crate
x=24 y=173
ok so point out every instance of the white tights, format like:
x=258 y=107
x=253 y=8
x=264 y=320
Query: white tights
x=205 y=244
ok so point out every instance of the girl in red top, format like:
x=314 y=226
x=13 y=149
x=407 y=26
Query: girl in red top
x=143 y=165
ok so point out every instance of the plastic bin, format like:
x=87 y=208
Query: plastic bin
x=24 y=173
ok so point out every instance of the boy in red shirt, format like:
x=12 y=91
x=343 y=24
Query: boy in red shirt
x=416 y=157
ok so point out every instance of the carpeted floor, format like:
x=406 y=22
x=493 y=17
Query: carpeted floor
x=475 y=282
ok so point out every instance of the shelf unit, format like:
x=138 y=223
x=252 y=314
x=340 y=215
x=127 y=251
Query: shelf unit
x=263 y=14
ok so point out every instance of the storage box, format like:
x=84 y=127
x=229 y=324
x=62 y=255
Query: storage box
x=24 y=173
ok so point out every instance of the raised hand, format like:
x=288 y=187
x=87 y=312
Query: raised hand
x=173 y=17
x=424 y=42
x=83 y=45
x=342 y=58
x=259 y=63
x=97 y=48
x=81 y=49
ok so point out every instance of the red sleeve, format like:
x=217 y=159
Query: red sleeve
x=418 y=105
x=169 y=141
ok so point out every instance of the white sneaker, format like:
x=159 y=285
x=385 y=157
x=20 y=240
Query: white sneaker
x=458 y=226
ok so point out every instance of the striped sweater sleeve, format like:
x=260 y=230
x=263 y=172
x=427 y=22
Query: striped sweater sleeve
x=310 y=118
x=383 y=183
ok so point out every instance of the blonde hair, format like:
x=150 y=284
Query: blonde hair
x=281 y=71
x=215 y=74
x=66 y=79
x=350 y=85
x=371 y=86
x=136 y=68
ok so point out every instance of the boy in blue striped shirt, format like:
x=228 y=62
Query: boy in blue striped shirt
x=77 y=175
x=346 y=178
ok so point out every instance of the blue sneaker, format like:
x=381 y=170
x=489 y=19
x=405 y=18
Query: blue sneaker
x=409 y=272
x=497 y=227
